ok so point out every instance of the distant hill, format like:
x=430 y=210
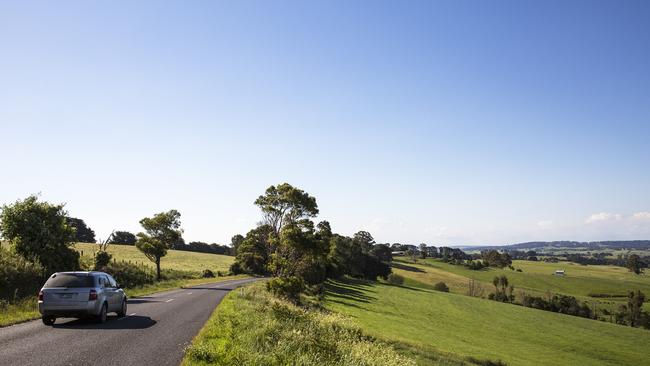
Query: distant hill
x=590 y=245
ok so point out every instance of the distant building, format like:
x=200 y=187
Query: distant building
x=559 y=272
x=398 y=253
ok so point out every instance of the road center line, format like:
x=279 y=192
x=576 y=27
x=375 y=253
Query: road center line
x=170 y=300
x=189 y=293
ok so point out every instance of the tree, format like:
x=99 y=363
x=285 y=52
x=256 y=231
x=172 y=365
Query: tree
x=423 y=251
x=162 y=231
x=39 y=231
x=235 y=242
x=253 y=252
x=284 y=204
x=83 y=233
x=635 y=301
x=123 y=237
x=634 y=263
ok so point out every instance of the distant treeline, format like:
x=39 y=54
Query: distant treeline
x=589 y=245
x=127 y=238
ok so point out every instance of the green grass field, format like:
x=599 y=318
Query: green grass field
x=536 y=278
x=175 y=259
x=438 y=322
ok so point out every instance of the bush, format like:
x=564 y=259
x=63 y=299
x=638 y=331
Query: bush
x=441 y=286
x=207 y=274
x=286 y=287
x=19 y=278
x=395 y=279
x=102 y=259
x=130 y=275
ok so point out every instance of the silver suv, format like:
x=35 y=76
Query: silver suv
x=80 y=294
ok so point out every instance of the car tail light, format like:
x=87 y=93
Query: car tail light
x=92 y=295
x=40 y=295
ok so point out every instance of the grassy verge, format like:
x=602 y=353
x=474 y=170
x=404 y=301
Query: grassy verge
x=27 y=309
x=251 y=327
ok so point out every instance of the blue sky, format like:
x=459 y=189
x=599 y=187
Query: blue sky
x=445 y=122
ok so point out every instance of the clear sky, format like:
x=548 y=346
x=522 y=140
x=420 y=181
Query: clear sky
x=445 y=122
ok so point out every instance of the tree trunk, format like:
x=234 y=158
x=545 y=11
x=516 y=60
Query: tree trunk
x=158 y=269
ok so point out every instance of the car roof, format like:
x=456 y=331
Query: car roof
x=87 y=273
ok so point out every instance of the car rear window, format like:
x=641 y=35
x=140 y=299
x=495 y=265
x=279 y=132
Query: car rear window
x=70 y=280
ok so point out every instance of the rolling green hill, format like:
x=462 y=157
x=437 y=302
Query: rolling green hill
x=435 y=322
x=536 y=278
x=175 y=259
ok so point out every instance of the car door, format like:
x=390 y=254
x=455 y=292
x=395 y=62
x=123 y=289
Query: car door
x=109 y=292
x=117 y=293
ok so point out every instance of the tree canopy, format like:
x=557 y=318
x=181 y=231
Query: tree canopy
x=161 y=232
x=39 y=231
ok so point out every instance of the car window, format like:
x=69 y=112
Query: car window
x=70 y=280
x=106 y=282
x=112 y=281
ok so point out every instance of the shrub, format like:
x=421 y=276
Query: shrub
x=102 y=259
x=395 y=279
x=130 y=275
x=207 y=273
x=286 y=287
x=441 y=286
x=19 y=277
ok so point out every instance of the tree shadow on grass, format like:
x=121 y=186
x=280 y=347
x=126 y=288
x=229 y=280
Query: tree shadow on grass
x=406 y=267
x=349 y=289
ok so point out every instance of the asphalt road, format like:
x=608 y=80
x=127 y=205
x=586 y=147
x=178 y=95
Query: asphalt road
x=155 y=332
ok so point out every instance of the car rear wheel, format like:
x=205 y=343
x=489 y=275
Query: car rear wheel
x=122 y=312
x=48 y=320
x=101 y=318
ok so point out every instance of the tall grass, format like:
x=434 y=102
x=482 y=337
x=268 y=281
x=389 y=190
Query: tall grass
x=251 y=327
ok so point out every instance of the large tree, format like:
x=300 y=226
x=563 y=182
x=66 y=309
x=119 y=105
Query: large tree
x=634 y=263
x=284 y=204
x=235 y=242
x=161 y=232
x=39 y=231
x=83 y=233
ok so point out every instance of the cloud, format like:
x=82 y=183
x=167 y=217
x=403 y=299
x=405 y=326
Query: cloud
x=545 y=223
x=645 y=216
x=603 y=216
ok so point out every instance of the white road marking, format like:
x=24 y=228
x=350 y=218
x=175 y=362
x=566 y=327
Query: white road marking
x=189 y=293
x=170 y=300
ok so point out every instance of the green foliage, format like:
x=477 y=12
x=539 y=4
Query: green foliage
x=286 y=287
x=207 y=274
x=502 y=291
x=634 y=263
x=39 y=232
x=559 y=304
x=102 y=259
x=162 y=231
x=495 y=259
x=441 y=286
x=395 y=279
x=251 y=328
x=129 y=275
x=83 y=233
x=253 y=252
x=19 y=278
x=235 y=242
x=123 y=238
x=284 y=204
